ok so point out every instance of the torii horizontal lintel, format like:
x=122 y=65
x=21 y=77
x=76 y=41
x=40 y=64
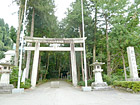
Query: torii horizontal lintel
x=54 y=48
x=54 y=40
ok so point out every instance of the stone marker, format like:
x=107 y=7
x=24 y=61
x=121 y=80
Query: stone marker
x=132 y=65
x=55 y=84
x=98 y=84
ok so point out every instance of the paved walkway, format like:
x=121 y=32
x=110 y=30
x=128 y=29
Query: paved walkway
x=68 y=95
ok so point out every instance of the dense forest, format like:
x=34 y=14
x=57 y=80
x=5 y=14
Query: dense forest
x=6 y=37
x=110 y=27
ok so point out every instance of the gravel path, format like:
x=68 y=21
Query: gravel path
x=68 y=95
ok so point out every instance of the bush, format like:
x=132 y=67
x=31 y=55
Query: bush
x=81 y=83
x=27 y=84
x=89 y=82
x=14 y=76
x=107 y=79
x=14 y=79
x=134 y=85
x=114 y=77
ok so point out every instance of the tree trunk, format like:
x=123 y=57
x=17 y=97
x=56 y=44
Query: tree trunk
x=59 y=67
x=94 y=51
x=108 y=52
x=101 y=52
x=29 y=52
x=95 y=31
x=89 y=71
x=48 y=61
x=59 y=71
x=21 y=14
x=124 y=68
x=78 y=71
x=82 y=65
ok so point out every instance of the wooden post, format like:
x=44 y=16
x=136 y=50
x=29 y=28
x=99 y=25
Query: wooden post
x=35 y=65
x=73 y=64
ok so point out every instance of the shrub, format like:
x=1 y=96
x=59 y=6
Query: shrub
x=134 y=85
x=14 y=76
x=14 y=79
x=81 y=83
x=89 y=82
x=27 y=84
x=114 y=77
x=107 y=79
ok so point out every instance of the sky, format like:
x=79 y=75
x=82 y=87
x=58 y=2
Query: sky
x=8 y=11
x=61 y=7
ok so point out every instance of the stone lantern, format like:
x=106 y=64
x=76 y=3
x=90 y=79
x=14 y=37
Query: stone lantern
x=98 y=84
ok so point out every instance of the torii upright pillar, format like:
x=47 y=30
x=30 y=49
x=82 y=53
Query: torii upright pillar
x=73 y=64
x=35 y=65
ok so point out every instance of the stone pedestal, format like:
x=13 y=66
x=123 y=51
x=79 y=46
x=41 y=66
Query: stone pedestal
x=17 y=91
x=5 y=87
x=98 y=84
x=55 y=84
x=86 y=89
x=132 y=65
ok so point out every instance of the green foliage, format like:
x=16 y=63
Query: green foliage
x=14 y=76
x=114 y=77
x=5 y=40
x=14 y=79
x=89 y=82
x=135 y=86
x=1 y=54
x=27 y=84
x=13 y=34
x=45 y=22
x=69 y=80
x=81 y=83
x=107 y=79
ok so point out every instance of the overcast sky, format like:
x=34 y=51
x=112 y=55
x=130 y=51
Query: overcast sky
x=61 y=7
x=8 y=11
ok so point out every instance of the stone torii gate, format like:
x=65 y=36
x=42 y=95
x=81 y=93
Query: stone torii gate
x=37 y=49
